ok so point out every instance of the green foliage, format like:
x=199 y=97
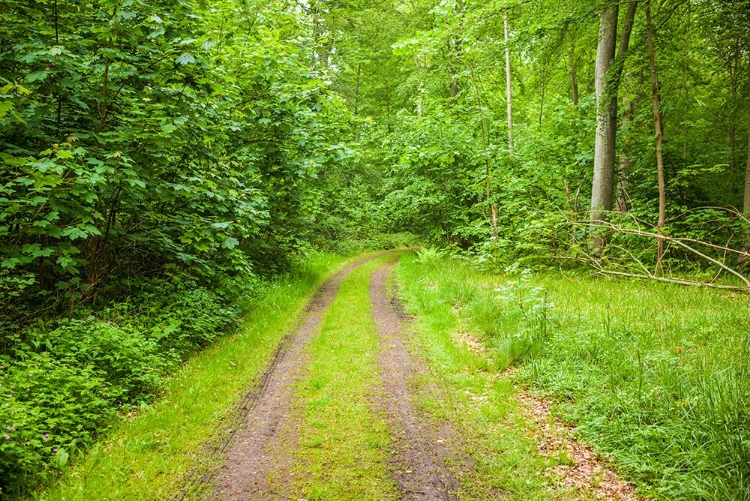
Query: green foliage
x=142 y=136
x=49 y=408
x=62 y=386
x=167 y=444
x=430 y=85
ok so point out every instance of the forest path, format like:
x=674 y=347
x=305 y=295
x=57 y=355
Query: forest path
x=421 y=444
x=261 y=458
x=249 y=458
x=361 y=402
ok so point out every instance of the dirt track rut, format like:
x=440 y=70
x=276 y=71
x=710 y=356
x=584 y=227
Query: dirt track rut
x=251 y=457
x=259 y=450
x=418 y=467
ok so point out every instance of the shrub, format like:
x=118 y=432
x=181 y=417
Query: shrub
x=63 y=382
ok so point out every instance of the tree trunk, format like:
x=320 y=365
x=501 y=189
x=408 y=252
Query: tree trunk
x=454 y=47
x=606 y=116
x=544 y=88
x=626 y=163
x=659 y=130
x=507 y=88
x=607 y=83
x=573 y=76
x=356 y=97
x=734 y=76
x=746 y=204
x=746 y=201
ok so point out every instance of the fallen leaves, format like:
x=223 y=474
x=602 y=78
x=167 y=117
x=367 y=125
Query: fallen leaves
x=583 y=470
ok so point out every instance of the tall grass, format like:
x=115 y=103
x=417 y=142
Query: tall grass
x=657 y=376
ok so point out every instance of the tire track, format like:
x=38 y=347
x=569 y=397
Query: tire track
x=250 y=457
x=419 y=463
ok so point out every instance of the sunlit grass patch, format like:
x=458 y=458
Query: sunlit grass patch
x=481 y=405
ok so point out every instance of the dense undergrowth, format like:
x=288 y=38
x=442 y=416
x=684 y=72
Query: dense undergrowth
x=65 y=380
x=174 y=445
x=653 y=375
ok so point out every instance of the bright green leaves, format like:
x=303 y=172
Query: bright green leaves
x=230 y=243
x=185 y=58
x=80 y=231
x=147 y=133
x=37 y=75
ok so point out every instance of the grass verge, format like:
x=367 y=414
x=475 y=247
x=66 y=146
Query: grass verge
x=343 y=442
x=150 y=454
x=482 y=406
x=653 y=375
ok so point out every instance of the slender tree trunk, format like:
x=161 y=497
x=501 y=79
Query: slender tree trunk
x=388 y=112
x=746 y=204
x=573 y=75
x=607 y=79
x=659 y=130
x=685 y=80
x=356 y=97
x=508 y=88
x=734 y=72
x=55 y=20
x=492 y=207
x=454 y=46
x=626 y=163
x=356 y=89
x=606 y=116
x=746 y=201
x=105 y=89
x=544 y=88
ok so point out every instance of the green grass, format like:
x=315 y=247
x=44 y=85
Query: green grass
x=481 y=405
x=343 y=439
x=654 y=375
x=149 y=455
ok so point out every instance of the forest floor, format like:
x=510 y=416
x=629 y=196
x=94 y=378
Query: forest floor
x=350 y=408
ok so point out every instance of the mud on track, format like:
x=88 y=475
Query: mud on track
x=249 y=457
x=419 y=463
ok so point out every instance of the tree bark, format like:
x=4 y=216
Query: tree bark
x=659 y=130
x=454 y=46
x=608 y=72
x=508 y=88
x=746 y=204
x=606 y=116
x=573 y=76
x=626 y=163
x=746 y=200
x=734 y=74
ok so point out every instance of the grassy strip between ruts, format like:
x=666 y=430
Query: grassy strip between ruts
x=654 y=375
x=150 y=454
x=343 y=440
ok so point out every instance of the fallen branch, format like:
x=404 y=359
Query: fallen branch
x=650 y=276
x=688 y=244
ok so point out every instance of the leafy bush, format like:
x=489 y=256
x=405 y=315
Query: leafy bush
x=62 y=383
x=48 y=407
